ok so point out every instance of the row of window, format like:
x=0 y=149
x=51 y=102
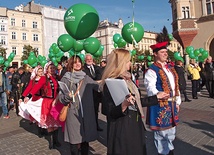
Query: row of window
x=14 y=49
x=35 y=37
x=13 y=23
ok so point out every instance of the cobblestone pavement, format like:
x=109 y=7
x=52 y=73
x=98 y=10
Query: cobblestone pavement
x=195 y=133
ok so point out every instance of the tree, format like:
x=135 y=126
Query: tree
x=3 y=51
x=26 y=52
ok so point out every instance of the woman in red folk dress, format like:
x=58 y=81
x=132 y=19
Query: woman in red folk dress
x=48 y=85
x=35 y=77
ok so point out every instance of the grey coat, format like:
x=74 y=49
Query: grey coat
x=80 y=127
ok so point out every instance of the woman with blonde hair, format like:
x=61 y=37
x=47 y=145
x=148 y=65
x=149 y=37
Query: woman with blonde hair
x=125 y=128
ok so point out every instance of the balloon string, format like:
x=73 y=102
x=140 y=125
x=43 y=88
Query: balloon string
x=133 y=12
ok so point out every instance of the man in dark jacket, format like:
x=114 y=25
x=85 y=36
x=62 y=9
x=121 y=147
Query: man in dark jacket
x=17 y=87
x=93 y=71
x=209 y=71
x=3 y=95
x=181 y=80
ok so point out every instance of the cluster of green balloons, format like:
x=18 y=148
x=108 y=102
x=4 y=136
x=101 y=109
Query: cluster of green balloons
x=6 y=63
x=178 y=56
x=55 y=54
x=34 y=61
x=198 y=54
x=119 y=41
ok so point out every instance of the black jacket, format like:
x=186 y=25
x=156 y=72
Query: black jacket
x=209 y=69
x=97 y=70
x=181 y=77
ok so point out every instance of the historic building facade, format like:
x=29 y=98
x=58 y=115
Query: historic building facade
x=193 y=22
x=52 y=21
x=21 y=28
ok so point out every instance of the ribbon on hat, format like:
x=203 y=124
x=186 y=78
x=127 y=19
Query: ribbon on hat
x=35 y=70
x=46 y=67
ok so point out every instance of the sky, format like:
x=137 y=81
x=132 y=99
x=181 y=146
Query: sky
x=151 y=14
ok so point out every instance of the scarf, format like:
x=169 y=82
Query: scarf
x=77 y=76
x=133 y=89
x=1 y=79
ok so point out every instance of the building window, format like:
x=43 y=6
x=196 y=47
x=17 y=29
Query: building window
x=24 y=36
x=35 y=37
x=14 y=49
x=210 y=6
x=185 y=12
x=13 y=35
x=23 y=23
x=2 y=28
x=13 y=22
x=3 y=40
x=34 y=25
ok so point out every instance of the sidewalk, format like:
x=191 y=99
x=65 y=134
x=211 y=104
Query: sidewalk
x=195 y=133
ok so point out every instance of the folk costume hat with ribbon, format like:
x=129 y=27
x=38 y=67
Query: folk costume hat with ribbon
x=162 y=40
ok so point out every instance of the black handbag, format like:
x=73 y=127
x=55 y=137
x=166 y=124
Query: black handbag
x=189 y=76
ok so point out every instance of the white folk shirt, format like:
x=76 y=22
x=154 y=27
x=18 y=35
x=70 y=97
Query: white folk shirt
x=150 y=83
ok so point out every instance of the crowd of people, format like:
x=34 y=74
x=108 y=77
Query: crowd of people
x=36 y=95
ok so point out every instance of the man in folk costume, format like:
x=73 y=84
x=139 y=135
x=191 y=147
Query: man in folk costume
x=163 y=117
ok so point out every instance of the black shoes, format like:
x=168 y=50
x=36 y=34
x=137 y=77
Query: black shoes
x=187 y=100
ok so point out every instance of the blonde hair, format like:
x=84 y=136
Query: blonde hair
x=116 y=64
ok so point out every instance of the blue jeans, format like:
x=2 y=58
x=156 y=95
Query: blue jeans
x=163 y=140
x=3 y=98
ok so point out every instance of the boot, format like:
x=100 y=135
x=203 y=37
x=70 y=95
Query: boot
x=50 y=140
x=40 y=132
x=55 y=139
x=171 y=152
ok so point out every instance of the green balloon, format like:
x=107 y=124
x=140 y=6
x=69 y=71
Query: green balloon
x=192 y=55
x=91 y=45
x=12 y=55
x=34 y=65
x=25 y=61
x=82 y=57
x=177 y=55
x=71 y=53
x=133 y=52
x=149 y=63
x=43 y=62
x=78 y=45
x=170 y=36
x=81 y=21
x=65 y=42
x=201 y=50
x=196 y=52
x=6 y=63
x=189 y=49
x=132 y=31
x=1 y=60
x=149 y=58
x=98 y=53
x=32 y=54
x=40 y=58
x=121 y=43
x=115 y=45
x=116 y=37
x=9 y=58
x=205 y=54
x=140 y=57
x=31 y=60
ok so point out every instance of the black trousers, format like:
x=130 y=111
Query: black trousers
x=210 y=87
x=84 y=148
x=195 y=87
x=97 y=100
